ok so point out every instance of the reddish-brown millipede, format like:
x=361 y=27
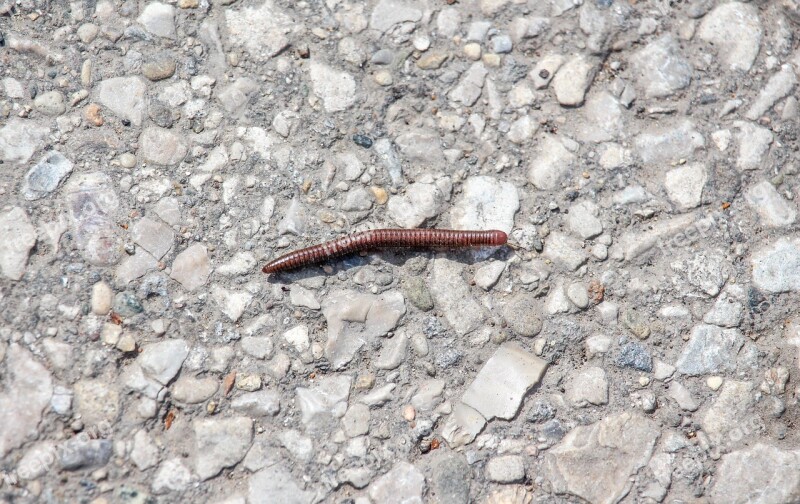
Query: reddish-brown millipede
x=385 y=238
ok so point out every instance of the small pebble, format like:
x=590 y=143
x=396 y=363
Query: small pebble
x=362 y=140
x=384 y=78
x=472 y=51
x=127 y=160
x=714 y=382
x=102 y=298
x=126 y=343
x=93 y=114
x=409 y=413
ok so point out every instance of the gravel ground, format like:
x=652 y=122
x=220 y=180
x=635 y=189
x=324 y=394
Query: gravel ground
x=635 y=342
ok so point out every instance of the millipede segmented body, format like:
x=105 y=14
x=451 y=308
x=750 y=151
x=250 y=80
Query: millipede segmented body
x=385 y=238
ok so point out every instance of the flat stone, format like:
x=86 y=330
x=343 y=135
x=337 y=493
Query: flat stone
x=552 y=162
x=162 y=360
x=191 y=267
x=258 y=404
x=299 y=446
x=26 y=391
x=485 y=203
x=731 y=415
x=134 y=266
x=275 y=484
x=637 y=243
x=417 y=204
x=144 y=453
x=734 y=29
x=263 y=30
x=46 y=175
x=589 y=386
x=565 y=251
x=356 y=421
x=50 y=103
x=403 y=484
x=605 y=119
x=452 y=296
x=235 y=97
x=759 y=474
x=487 y=276
x=355 y=320
x=241 y=263
x=388 y=13
x=429 y=395
x=159 y=19
x=154 y=236
x=778 y=86
x=298 y=338
x=220 y=443
x=325 y=402
x=80 y=453
x=162 y=146
x=470 y=86
x=511 y=370
x=96 y=401
x=191 y=390
x=545 y=69
x=17 y=239
x=258 y=346
x=573 y=80
x=685 y=185
x=660 y=68
x=772 y=209
x=124 y=96
x=462 y=426
x=682 y=396
x=728 y=309
x=582 y=219
x=707 y=271
x=623 y=441
x=710 y=349
x=754 y=142
x=776 y=267
x=336 y=89
x=172 y=476
x=521 y=314
x=450 y=478
x=506 y=469
x=662 y=145
x=393 y=352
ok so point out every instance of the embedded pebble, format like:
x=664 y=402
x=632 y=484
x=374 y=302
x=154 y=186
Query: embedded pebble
x=734 y=30
x=685 y=185
x=220 y=443
x=771 y=207
x=124 y=96
x=573 y=80
x=17 y=239
x=590 y=386
x=511 y=368
x=506 y=469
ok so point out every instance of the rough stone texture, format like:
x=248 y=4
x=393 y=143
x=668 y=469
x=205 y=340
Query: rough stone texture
x=735 y=30
x=357 y=319
x=776 y=267
x=17 y=238
x=503 y=381
x=220 y=443
x=763 y=474
x=641 y=156
x=27 y=389
x=623 y=442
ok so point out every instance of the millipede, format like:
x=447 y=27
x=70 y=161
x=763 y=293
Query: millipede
x=385 y=238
